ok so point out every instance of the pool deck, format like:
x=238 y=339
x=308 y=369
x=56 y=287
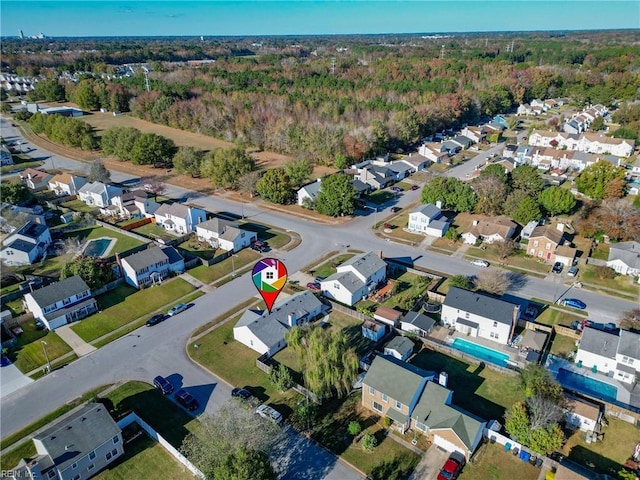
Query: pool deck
x=107 y=251
x=513 y=352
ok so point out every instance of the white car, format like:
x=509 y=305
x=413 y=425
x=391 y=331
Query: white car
x=479 y=263
x=265 y=411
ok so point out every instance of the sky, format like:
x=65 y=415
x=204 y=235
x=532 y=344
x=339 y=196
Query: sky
x=308 y=17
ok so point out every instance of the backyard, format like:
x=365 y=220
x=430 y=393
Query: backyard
x=123 y=243
x=563 y=345
x=492 y=462
x=79 y=206
x=153 y=231
x=218 y=270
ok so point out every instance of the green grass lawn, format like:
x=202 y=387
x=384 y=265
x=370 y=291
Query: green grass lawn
x=20 y=166
x=123 y=243
x=79 y=206
x=200 y=249
x=412 y=287
x=562 y=345
x=274 y=236
x=492 y=462
x=601 y=251
x=518 y=260
x=380 y=196
x=329 y=267
x=152 y=230
x=481 y=391
x=401 y=221
x=551 y=316
x=10 y=288
x=144 y=457
x=218 y=270
x=16 y=306
x=621 y=283
x=124 y=304
x=29 y=353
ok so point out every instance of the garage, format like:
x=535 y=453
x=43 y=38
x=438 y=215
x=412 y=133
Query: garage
x=447 y=445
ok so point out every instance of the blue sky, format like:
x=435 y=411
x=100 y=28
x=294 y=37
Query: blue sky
x=264 y=17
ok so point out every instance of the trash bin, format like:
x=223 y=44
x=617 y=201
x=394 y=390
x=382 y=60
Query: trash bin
x=507 y=446
x=524 y=456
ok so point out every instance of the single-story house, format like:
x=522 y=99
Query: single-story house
x=624 y=258
x=565 y=254
x=418 y=323
x=399 y=347
x=582 y=414
x=489 y=230
x=307 y=194
x=387 y=315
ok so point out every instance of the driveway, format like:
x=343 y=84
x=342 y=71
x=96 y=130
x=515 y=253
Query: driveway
x=430 y=465
x=12 y=379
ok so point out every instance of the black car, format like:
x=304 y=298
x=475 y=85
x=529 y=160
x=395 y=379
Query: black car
x=187 y=400
x=156 y=319
x=557 y=267
x=241 y=393
x=396 y=209
x=163 y=385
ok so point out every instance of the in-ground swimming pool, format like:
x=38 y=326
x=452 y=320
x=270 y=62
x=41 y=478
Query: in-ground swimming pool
x=590 y=386
x=481 y=352
x=97 y=247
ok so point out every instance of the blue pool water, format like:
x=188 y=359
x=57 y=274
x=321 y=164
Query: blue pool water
x=588 y=385
x=97 y=247
x=478 y=351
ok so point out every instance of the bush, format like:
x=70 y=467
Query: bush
x=354 y=428
x=281 y=378
x=386 y=422
x=369 y=442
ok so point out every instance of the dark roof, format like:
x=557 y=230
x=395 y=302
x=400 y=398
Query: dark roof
x=629 y=344
x=172 y=254
x=22 y=245
x=145 y=258
x=599 y=342
x=32 y=230
x=480 y=304
x=419 y=320
x=59 y=291
x=74 y=437
x=400 y=380
x=400 y=344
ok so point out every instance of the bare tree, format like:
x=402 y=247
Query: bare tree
x=630 y=320
x=505 y=249
x=543 y=411
x=247 y=182
x=493 y=281
x=72 y=246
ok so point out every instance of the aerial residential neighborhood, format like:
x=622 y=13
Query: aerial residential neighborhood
x=451 y=221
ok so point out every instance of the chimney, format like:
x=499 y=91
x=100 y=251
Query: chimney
x=291 y=319
x=439 y=204
x=380 y=254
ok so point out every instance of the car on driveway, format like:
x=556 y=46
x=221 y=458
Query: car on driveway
x=479 y=263
x=574 y=303
x=265 y=411
x=187 y=400
x=415 y=187
x=557 y=267
x=241 y=393
x=163 y=385
x=315 y=286
x=452 y=467
x=181 y=307
x=396 y=189
x=156 y=319
x=573 y=271
x=396 y=209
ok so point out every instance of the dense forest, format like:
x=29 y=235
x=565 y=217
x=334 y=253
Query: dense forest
x=335 y=97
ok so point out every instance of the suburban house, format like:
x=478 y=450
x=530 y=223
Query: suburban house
x=373 y=330
x=582 y=414
x=565 y=254
x=74 y=448
x=133 y=204
x=355 y=278
x=377 y=177
x=462 y=140
x=401 y=169
x=308 y=194
x=418 y=323
x=265 y=332
x=26 y=244
x=399 y=347
x=387 y=315
x=480 y=315
x=543 y=242
x=5 y=156
x=624 y=258
x=528 y=229
x=417 y=161
x=409 y=396
x=476 y=134
x=179 y=218
x=35 y=180
x=62 y=302
x=489 y=230
x=151 y=265
x=66 y=184
x=98 y=194
x=434 y=152
x=428 y=219
x=609 y=353
x=224 y=234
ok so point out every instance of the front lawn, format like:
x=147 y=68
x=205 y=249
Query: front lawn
x=400 y=222
x=275 y=237
x=622 y=283
x=123 y=243
x=29 y=353
x=552 y=315
x=125 y=304
x=329 y=267
x=380 y=196
x=518 y=260
x=492 y=462
x=218 y=270
x=601 y=251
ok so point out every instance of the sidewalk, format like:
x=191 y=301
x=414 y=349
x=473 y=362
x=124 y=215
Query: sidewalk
x=79 y=346
x=206 y=288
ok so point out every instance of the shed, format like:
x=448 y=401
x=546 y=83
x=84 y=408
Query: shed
x=387 y=315
x=399 y=347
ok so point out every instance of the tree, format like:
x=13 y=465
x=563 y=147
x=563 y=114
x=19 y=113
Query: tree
x=369 y=441
x=453 y=193
x=85 y=96
x=298 y=171
x=275 y=186
x=244 y=464
x=119 y=142
x=354 y=428
x=452 y=234
x=93 y=270
x=224 y=167
x=615 y=188
x=624 y=474
x=617 y=218
x=536 y=380
x=491 y=193
x=460 y=281
x=329 y=364
x=281 y=378
x=152 y=149
x=49 y=90
x=603 y=272
x=598 y=124
x=493 y=281
x=556 y=200
x=337 y=196
x=543 y=411
x=98 y=172
x=527 y=178
x=516 y=422
x=231 y=429
x=495 y=170
x=630 y=320
x=527 y=210
x=247 y=182
x=72 y=246
x=15 y=193
x=505 y=249
x=593 y=180
x=188 y=161
x=544 y=439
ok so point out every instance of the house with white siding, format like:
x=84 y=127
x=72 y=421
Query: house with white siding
x=98 y=194
x=624 y=258
x=225 y=235
x=308 y=194
x=26 y=244
x=428 y=220
x=179 y=218
x=355 y=278
x=151 y=265
x=611 y=353
x=66 y=184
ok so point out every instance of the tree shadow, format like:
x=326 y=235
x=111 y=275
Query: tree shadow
x=397 y=469
x=517 y=281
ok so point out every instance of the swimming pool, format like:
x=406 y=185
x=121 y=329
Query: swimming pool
x=478 y=351
x=98 y=247
x=588 y=385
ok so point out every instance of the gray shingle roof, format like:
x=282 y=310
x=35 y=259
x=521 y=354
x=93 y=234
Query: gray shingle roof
x=419 y=320
x=145 y=258
x=400 y=380
x=429 y=210
x=599 y=342
x=176 y=209
x=480 y=304
x=629 y=344
x=216 y=225
x=366 y=264
x=59 y=291
x=22 y=245
x=312 y=189
x=400 y=344
x=82 y=432
x=627 y=252
x=347 y=279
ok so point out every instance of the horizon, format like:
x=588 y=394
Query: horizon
x=252 y=18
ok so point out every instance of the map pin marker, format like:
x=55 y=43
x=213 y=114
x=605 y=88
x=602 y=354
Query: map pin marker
x=269 y=277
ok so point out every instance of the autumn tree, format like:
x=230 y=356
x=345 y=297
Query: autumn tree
x=556 y=200
x=336 y=196
x=298 y=171
x=98 y=172
x=594 y=179
x=275 y=186
x=505 y=249
x=224 y=167
x=493 y=281
x=93 y=270
x=491 y=193
x=618 y=219
x=453 y=193
x=630 y=320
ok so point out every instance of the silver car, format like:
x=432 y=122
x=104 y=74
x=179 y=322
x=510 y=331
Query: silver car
x=181 y=307
x=265 y=411
x=479 y=263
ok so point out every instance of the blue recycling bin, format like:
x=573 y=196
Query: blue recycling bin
x=507 y=446
x=524 y=456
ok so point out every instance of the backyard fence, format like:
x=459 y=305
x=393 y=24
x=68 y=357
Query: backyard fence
x=264 y=363
x=54 y=203
x=436 y=297
x=17 y=321
x=133 y=418
x=122 y=231
x=139 y=223
x=596 y=262
x=349 y=311
x=568 y=332
x=108 y=286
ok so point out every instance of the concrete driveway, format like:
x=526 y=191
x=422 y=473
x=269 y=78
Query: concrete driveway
x=12 y=379
x=430 y=465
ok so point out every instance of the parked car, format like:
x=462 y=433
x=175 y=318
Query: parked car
x=452 y=467
x=396 y=189
x=181 y=307
x=259 y=243
x=557 y=267
x=415 y=187
x=319 y=279
x=396 y=209
x=258 y=248
x=163 y=385
x=265 y=411
x=573 y=271
x=187 y=400
x=241 y=393
x=479 y=263
x=531 y=312
x=574 y=303
x=315 y=286
x=39 y=325
x=156 y=319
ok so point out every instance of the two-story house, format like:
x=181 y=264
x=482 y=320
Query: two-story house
x=265 y=332
x=411 y=398
x=26 y=244
x=377 y=177
x=611 y=353
x=355 y=278
x=224 y=234
x=151 y=265
x=489 y=230
x=74 y=448
x=543 y=242
x=428 y=220
x=35 y=180
x=66 y=184
x=62 y=302
x=133 y=204
x=98 y=194
x=480 y=315
x=179 y=218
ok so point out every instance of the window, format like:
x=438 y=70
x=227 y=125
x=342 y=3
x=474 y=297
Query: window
x=336 y=285
x=108 y=456
x=90 y=467
x=74 y=466
x=495 y=324
x=372 y=391
x=466 y=315
x=535 y=243
x=115 y=439
x=494 y=335
x=398 y=405
x=114 y=452
x=92 y=455
x=385 y=398
x=548 y=246
x=51 y=473
x=376 y=406
x=627 y=360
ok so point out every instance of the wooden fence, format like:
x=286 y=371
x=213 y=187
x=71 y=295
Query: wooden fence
x=139 y=223
x=349 y=311
x=264 y=363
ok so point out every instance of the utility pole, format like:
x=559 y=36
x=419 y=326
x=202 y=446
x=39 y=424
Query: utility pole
x=45 y=355
x=146 y=78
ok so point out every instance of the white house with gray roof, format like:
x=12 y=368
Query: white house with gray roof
x=151 y=265
x=355 y=278
x=624 y=258
x=179 y=218
x=265 y=332
x=399 y=347
x=75 y=448
x=480 y=315
x=418 y=323
x=26 y=244
x=616 y=355
x=98 y=194
x=308 y=194
x=62 y=302
x=428 y=220
x=225 y=235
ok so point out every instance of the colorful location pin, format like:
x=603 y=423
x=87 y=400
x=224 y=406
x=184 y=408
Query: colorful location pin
x=269 y=277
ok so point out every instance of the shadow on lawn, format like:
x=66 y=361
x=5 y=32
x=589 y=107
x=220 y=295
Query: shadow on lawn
x=592 y=460
x=399 y=468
